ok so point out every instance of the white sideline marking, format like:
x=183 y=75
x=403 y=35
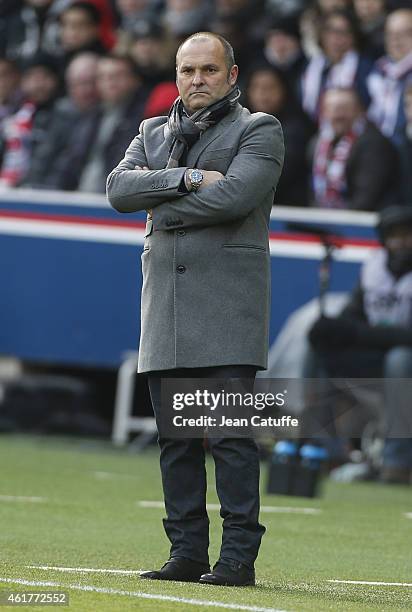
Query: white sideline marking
x=108 y=591
x=290 y=509
x=92 y=570
x=372 y=583
x=275 y=509
x=108 y=475
x=21 y=498
x=408 y=515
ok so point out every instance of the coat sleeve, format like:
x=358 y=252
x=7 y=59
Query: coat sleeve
x=130 y=190
x=252 y=175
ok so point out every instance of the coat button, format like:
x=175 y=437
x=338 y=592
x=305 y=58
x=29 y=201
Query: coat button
x=181 y=269
x=181 y=233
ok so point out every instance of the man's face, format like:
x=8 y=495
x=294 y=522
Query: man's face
x=398 y=34
x=81 y=83
x=340 y=109
x=337 y=38
x=39 y=84
x=147 y=51
x=369 y=10
x=202 y=75
x=398 y=243
x=283 y=46
x=399 y=238
x=115 y=81
x=77 y=29
x=265 y=93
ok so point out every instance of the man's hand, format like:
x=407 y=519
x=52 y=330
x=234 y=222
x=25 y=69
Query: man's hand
x=210 y=177
x=148 y=210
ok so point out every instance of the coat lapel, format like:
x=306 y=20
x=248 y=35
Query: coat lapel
x=210 y=135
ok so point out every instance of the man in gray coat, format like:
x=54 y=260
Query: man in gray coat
x=207 y=176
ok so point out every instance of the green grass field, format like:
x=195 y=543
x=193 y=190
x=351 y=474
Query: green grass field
x=89 y=517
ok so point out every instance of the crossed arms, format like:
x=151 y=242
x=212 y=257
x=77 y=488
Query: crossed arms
x=251 y=176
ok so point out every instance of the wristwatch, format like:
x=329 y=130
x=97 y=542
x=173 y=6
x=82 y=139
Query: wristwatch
x=195 y=178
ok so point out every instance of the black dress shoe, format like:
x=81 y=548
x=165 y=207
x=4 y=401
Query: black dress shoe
x=229 y=572
x=178 y=568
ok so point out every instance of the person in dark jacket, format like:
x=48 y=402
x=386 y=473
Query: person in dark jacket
x=69 y=114
x=268 y=91
x=372 y=337
x=354 y=165
x=371 y=15
x=103 y=134
x=283 y=50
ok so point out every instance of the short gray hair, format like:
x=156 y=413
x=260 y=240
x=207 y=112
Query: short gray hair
x=227 y=47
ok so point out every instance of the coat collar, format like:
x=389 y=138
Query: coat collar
x=207 y=137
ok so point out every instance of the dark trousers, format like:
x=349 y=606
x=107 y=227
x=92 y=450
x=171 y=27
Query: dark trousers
x=182 y=464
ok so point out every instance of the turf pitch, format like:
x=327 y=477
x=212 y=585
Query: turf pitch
x=85 y=513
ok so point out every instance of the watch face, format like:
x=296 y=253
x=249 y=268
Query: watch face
x=196 y=176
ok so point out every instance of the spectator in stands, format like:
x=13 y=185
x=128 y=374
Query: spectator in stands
x=388 y=80
x=405 y=148
x=184 y=17
x=31 y=28
x=133 y=12
x=313 y=16
x=80 y=30
x=373 y=335
x=248 y=12
x=9 y=6
x=354 y=165
x=10 y=90
x=339 y=65
x=328 y=6
x=268 y=91
x=152 y=53
x=283 y=50
x=28 y=127
x=102 y=137
x=248 y=50
x=371 y=15
x=48 y=165
x=280 y=8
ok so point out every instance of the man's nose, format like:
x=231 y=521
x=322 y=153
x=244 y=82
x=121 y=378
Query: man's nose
x=197 y=79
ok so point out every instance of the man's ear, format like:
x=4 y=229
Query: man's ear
x=233 y=74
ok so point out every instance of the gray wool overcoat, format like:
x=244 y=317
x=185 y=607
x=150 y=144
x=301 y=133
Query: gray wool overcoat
x=206 y=261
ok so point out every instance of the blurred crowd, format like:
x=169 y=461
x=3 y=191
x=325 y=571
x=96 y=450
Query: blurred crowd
x=78 y=76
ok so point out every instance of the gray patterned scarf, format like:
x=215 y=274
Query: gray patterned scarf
x=186 y=130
